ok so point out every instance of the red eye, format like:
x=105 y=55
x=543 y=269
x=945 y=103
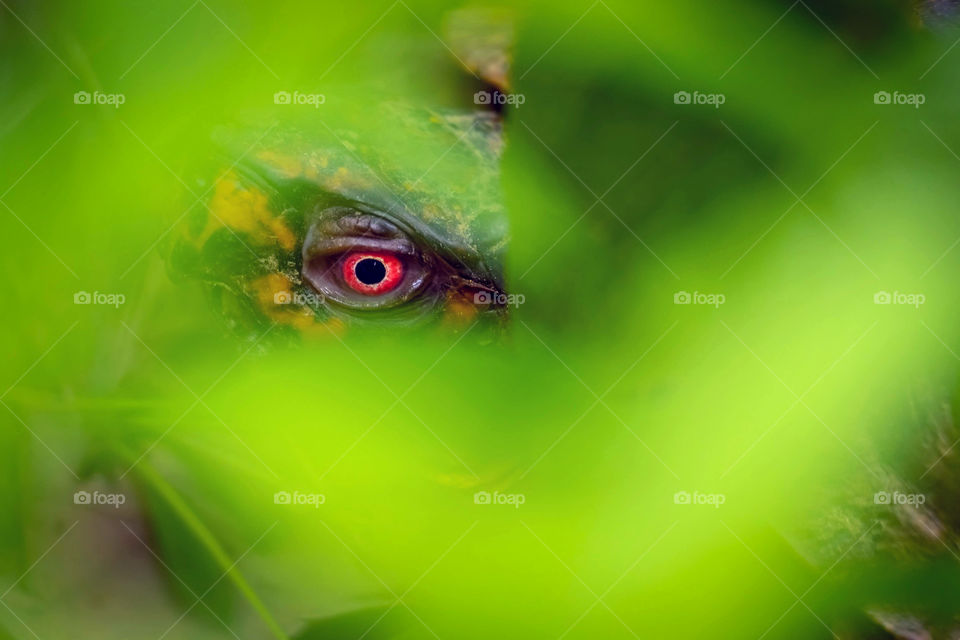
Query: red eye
x=372 y=273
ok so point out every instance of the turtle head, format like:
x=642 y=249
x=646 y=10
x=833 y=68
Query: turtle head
x=390 y=217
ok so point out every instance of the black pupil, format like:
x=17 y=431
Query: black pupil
x=370 y=271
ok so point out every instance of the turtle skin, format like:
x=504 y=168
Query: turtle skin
x=434 y=176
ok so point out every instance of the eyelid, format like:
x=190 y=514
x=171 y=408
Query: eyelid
x=316 y=247
x=342 y=229
x=364 y=224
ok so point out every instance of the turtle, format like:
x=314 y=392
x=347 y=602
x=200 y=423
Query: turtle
x=317 y=228
x=364 y=213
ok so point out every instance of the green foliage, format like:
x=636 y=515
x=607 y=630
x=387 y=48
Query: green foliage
x=796 y=399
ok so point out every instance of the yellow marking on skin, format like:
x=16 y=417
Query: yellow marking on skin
x=245 y=208
x=316 y=164
x=321 y=330
x=267 y=288
x=343 y=179
x=286 y=166
x=339 y=177
x=271 y=289
x=459 y=309
x=500 y=246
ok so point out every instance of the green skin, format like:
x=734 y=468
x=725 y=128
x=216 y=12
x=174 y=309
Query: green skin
x=434 y=176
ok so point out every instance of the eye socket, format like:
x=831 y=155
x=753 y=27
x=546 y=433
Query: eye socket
x=361 y=261
x=372 y=273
